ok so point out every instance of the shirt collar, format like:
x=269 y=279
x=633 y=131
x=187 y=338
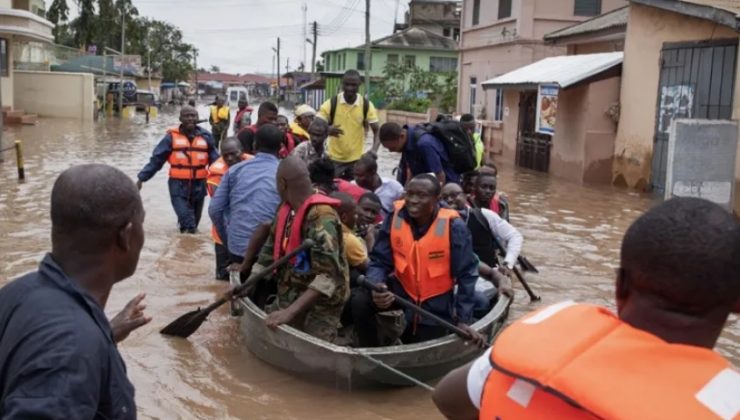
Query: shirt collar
x=343 y=101
x=52 y=272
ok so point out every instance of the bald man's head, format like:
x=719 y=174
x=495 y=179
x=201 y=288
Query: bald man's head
x=188 y=117
x=96 y=210
x=293 y=178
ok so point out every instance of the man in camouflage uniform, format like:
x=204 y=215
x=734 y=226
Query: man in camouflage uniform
x=311 y=292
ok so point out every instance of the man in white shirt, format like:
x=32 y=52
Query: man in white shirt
x=486 y=227
x=366 y=176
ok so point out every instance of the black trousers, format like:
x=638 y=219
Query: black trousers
x=223 y=259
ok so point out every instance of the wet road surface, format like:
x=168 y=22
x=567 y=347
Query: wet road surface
x=572 y=234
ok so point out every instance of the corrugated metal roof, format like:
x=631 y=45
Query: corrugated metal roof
x=565 y=70
x=613 y=19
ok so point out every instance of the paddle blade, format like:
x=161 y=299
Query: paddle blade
x=186 y=325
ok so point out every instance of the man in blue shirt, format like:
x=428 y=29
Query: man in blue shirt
x=189 y=150
x=247 y=196
x=420 y=212
x=58 y=355
x=420 y=153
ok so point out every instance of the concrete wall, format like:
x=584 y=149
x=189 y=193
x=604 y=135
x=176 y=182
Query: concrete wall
x=8 y=96
x=595 y=47
x=647 y=29
x=55 y=94
x=494 y=47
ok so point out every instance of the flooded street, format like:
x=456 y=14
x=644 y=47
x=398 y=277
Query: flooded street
x=572 y=234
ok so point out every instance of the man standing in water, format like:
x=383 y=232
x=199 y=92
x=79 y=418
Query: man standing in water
x=189 y=150
x=678 y=282
x=58 y=355
x=313 y=287
x=219 y=120
x=349 y=116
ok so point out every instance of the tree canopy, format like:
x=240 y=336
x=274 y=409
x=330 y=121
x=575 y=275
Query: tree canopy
x=99 y=23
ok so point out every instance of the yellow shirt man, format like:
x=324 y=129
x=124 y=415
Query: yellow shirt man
x=350 y=146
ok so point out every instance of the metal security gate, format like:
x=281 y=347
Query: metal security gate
x=532 y=148
x=696 y=81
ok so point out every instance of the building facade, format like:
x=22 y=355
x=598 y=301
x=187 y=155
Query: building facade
x=498 y=36
x=441 y=17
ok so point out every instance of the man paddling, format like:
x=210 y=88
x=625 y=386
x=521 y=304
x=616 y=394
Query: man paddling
x=678 y=281
x=58 y=355
x=313 y=287
x=421 y=253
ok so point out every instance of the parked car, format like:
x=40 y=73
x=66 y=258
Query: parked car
x=234 y=94
x=146 y=98
x=129 y=92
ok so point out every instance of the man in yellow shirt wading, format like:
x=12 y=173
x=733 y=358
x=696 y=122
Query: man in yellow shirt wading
x=349 y=115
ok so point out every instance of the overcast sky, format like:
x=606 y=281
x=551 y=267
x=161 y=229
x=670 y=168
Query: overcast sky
x=238 y=35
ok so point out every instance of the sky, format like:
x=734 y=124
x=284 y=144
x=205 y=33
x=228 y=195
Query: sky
x=238 y=35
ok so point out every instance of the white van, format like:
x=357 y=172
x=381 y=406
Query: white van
x=234 y=94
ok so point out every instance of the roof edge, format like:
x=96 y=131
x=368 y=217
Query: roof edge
x=706 y=12
x=554 y=35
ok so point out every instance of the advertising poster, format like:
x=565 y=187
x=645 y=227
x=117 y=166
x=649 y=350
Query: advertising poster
x=547 y=107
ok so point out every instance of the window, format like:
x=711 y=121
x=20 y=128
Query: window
x=409 y=61
x=344 y=61
x=446 y=32
x=360 y=61
x=499 y=111
x=476 y=12
x=504 y=9
x=392 y=58
x=4 y=57
x=473 y=85
x=328 y=63
x=456 y=34
x=587 y=8
x=442 y=64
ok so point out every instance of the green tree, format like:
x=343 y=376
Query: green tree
x=215 y=69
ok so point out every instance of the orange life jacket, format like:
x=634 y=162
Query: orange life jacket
x=188 y=160
x=571 y=361
x=281 y=246
x=216 y=171
x=423 y=266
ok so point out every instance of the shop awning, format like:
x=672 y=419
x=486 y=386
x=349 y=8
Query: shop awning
x=564 y=70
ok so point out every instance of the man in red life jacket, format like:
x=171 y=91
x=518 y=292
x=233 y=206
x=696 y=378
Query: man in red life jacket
x=290 y=141
x=486 y=197
x=266 y=114
x=231 y=154
x=243 y=116
x=313 y=287
x=189 y=150
x=678 y=281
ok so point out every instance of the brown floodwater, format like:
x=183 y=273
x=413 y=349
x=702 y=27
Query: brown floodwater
x=572 y=234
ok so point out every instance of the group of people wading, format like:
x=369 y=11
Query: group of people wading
x=428 y=236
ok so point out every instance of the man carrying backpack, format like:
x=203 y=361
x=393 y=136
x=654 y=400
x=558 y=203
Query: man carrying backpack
x=442 y=148
x=349 y=115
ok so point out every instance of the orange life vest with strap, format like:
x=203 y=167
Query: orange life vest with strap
x=423 y=266
x=570 y=361
x=188 y=159
x=281 y=246
x=216 y=171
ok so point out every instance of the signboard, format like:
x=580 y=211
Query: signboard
x=547 y=106
x=701 y=160
x=131 y=63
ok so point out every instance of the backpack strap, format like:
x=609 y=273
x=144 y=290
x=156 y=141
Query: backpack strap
x=333 y=108
x=365 y=108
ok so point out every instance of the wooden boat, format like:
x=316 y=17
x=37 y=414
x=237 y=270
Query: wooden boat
x=297 y=352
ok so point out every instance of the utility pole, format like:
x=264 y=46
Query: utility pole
x=123 y=51
x=195 y=67
x=313 y=54
x=287 y=65
x=367 y=48
x=305 y=35
x=278 y=68
x=149 y=60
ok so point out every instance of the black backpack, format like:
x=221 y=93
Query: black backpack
x=457 y=142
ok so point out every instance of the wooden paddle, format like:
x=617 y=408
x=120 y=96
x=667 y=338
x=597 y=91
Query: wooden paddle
x=362 y=281
x=187 y=324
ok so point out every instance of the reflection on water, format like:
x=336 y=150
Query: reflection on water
x=572 y=234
